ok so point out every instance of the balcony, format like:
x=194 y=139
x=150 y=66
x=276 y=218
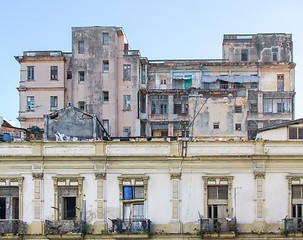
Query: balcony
x=12 y=226
x=136 y=226
x=293 y=225
x=218 y=225
x=64 y=227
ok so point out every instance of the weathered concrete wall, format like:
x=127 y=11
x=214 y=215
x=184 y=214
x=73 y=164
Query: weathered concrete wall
x=259 y=47
x=71 y=123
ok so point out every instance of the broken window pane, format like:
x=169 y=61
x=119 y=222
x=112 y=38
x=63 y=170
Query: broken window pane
x=30 y=103
x=126 y=103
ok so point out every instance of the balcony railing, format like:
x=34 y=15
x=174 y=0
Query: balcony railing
x=131 y=226
x=64 y=227
x=12 y=226
x=211 y=225
x=293 y=224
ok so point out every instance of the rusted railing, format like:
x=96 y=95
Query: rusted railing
x=12 y=226
x=64 y=226
x=210 y=225
x=293 y=224
x=131 y=226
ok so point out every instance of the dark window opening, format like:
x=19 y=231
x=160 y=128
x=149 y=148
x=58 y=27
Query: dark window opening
x=69 y=74
x=69 y=208
x=105 y=66
x=81 y=105
x=238 y=126
x=216 y=125
x=223 y=85
x=244 y=55
x=105 y=96
x=81 y=76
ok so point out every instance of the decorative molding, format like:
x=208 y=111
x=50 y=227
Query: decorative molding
x=175 y=175
x=37 y=176
x=135 y=178
x=100 y=176
x=259 y=174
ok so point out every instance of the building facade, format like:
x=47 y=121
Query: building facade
x=127 y=190
x=252 y=86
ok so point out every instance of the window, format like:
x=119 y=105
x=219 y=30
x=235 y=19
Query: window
x=267 y=105
x=238 y=126
x=105 y=38
x=223 y=85
x=80 y=47
x=106 y=125
x=163 y=81
x=30 y=73
x=143 y=77
x=53 y=103
x=180 y=104
x=216 y=125
x=54 y=73
x=280 y=82
x=295 y=133
x=105 y=96
x=81 y=76
x=126 y=103
x=244 y=55
x=274 y=53
x=254 y=85
x=133 y=195
x=9 y=203
x=253 y=107
x=30 y=103
x=218 y=197
x=126 y=132
x=81 y=105
x=126 y=72
x=297 y=203
x=159 y=104
x=238 y=109
x=69 y=196
x=69 y=75
x=105 y=66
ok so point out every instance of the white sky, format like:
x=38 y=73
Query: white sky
x=166 y=29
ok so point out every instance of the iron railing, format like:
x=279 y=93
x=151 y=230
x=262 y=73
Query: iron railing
x=293 y=224
x=12 y=226
x=211 y=225
x=64 y=227
x=131 y=226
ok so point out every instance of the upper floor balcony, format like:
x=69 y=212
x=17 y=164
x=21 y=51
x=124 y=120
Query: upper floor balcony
x=12 y=226
x=131 y=226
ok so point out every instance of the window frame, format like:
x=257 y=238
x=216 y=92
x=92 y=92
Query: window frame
x=105 y=38
x=80 y=105
x=105 y=66
x=81 y=47
x=127 y=103
x=105 y=95
x=216 y=125
x=54 y=73
x=30 y=104
x=126 y=72
x=244 y=55
x=53 y=103
x=30 y=73
x=81 y=76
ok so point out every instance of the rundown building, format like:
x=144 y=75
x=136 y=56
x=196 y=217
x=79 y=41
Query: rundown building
x=70 y=124
x=252 y=86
